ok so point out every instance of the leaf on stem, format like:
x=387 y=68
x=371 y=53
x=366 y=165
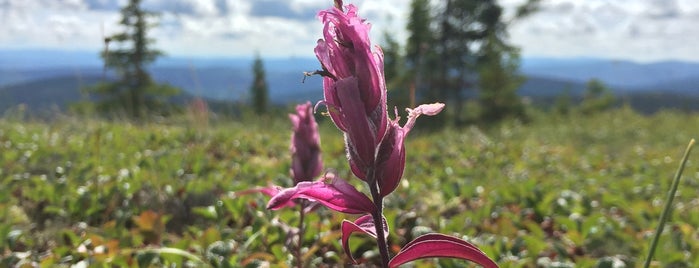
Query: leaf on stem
x=337 y=195
x=270 y=191
x=439 y=245
x=364 y=224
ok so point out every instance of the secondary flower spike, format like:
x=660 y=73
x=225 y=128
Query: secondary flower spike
x=306 y=161
x=353 y=84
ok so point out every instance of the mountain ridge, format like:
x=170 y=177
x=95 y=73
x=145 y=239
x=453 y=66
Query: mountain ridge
x=24 y=74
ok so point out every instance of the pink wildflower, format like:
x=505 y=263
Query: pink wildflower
x=306 y=162
x=353 y=84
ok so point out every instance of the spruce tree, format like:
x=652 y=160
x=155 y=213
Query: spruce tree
x=498 y=66
x=399 y=91
x=134 y=92
x=498 y=83
x=474 y=55
x=598 y=97
x=420 y=33
x=420 y=51
x=258 y=89
x=460 y=33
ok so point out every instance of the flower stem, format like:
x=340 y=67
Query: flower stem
x=668 y=204
x=378 y=217
x=302 y=213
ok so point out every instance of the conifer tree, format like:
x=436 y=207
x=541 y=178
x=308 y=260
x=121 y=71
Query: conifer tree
x=498 y=66
x=395 y=72
x=498 y=83
x=393 y=59
x=460 y=33
x=134 y=92
x=420 y=55
x=473 y=49
x=598 y=97
x=258 y=89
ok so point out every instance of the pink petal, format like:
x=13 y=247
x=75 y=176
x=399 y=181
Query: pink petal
x=361 y=137
x=337 y=195
x=426 y=109
x=379 y=117
x=332 y=103
x=345 y=51
x=363 y=224
x=269 y=191
x=390 y=160
x=357 y=170
x=439 y=245
x=333 y=59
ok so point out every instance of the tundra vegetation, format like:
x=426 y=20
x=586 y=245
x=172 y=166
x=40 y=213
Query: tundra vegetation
x=585 y=188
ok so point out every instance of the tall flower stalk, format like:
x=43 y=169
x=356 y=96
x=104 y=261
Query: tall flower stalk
x=355 y=95
x=306 y=161
x=306 y=164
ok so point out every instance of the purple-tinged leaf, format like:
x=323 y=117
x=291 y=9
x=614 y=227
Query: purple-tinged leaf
x=270 y=191
x=439 y=245
x=363 y=224
x=337 y=195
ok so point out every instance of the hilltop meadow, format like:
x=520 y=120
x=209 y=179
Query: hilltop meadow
x=556 y=191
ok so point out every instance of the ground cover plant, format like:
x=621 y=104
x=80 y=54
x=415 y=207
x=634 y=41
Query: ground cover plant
x=581 y=191
x=560 y=191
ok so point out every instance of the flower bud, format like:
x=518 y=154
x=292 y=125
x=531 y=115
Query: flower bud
x=390 y=159
x=306 y=161
x=353 y=84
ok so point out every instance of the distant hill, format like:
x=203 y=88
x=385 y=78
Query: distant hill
x=56 y=93
x=222 y=83
x=683 y=86
x=44 y=78
x=44 y=94
x=549 y=87
x=617 y=73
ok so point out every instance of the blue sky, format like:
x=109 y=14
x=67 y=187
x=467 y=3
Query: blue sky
x=639 y=30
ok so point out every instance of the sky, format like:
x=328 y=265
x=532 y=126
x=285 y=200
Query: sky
x=638 y=30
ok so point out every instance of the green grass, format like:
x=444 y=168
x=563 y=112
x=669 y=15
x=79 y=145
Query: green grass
x=557 y=192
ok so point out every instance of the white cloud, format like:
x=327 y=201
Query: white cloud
x=627 y=29
x=647 y=30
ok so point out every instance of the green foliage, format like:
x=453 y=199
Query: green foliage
x=598 y=97
x=393 y=61
x=461 y=46
x=258 y=89
x=115 y=100
x=498 y=84
x=575 y=191
x=400 y=91
x=527 y=8
x=134 y=94
x=562 y=105
x=421 y=33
